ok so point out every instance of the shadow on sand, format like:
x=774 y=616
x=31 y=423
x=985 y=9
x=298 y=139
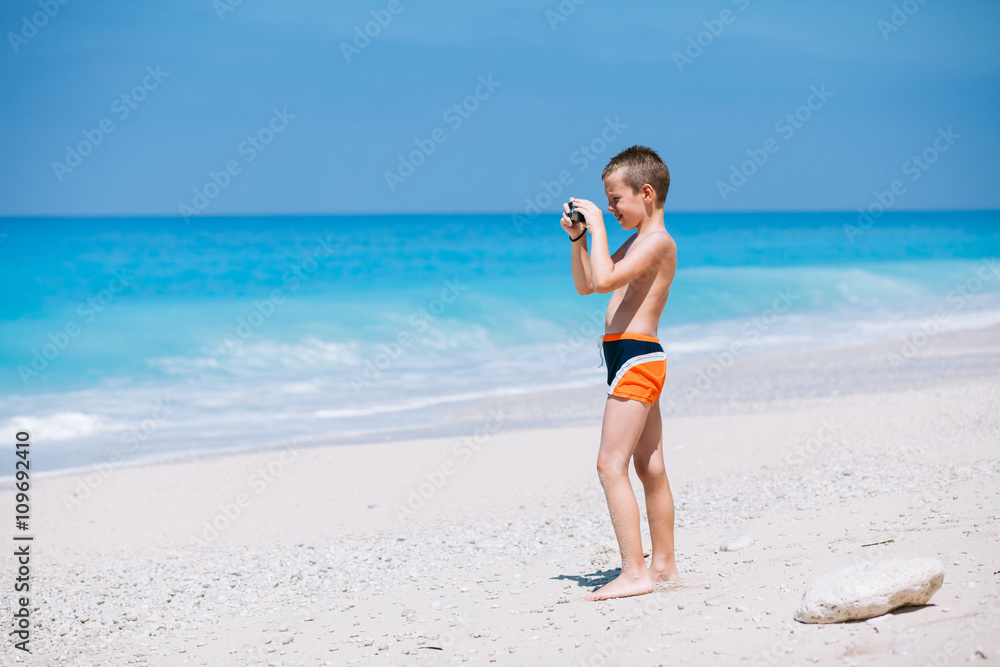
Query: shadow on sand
x=594 y=579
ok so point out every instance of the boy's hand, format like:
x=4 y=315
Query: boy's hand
x=574 y=229
x=590 y=211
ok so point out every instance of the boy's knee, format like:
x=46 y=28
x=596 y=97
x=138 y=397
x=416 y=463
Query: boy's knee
x=608 y=466
x=603 y=467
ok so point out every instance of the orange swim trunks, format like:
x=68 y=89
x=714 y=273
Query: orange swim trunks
x=637 y=366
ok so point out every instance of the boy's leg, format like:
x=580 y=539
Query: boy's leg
x=623 y=423
x=648 y=461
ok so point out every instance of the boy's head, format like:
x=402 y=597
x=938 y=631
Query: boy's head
x=638 y=166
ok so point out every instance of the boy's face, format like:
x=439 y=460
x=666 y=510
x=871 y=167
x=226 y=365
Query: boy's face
x=629 y=208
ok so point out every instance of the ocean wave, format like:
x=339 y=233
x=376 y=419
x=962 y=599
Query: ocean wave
x=260 y=355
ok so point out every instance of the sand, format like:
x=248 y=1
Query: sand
x=480 y=545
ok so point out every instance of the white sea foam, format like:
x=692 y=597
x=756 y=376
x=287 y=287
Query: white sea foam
x=406 y=405
x=58 y=426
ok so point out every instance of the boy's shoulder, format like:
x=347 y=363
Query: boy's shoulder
x=659 y=243
x=660 y=240
x=664 y=249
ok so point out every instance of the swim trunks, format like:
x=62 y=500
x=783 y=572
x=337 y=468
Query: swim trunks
x=637 y=366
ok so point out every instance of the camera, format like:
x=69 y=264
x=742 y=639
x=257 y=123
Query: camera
x=576 y=216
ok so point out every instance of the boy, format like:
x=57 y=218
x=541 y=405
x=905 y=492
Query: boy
x=638 y=275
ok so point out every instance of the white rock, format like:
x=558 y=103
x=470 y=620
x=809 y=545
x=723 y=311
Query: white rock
x=736 y=543
x=865 y=590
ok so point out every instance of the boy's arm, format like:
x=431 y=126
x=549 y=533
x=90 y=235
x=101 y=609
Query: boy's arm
x=607 y=275
x=578 y=257
x=580 y=262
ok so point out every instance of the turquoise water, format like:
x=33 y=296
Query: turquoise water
x=250 y=330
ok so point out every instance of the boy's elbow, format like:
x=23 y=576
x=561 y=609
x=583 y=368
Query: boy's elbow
x=602 y=287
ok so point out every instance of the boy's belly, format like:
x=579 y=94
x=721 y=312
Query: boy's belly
x=633 y=310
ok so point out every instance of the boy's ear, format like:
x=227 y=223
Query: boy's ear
x=648 y=193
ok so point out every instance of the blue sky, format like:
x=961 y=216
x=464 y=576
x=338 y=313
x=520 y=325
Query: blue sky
x=554 y=86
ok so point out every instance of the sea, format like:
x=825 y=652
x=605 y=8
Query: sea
x=125 y=340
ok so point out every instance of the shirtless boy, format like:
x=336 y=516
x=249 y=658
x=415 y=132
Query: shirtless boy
x=638 y=275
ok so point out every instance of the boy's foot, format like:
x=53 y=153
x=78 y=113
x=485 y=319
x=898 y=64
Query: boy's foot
x=664 y=574
x=626 y=585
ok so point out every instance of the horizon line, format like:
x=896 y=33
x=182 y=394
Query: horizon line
x=85 y=216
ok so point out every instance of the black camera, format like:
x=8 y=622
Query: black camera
x=575 y=215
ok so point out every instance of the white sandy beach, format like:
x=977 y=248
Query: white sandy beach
x=312 y=558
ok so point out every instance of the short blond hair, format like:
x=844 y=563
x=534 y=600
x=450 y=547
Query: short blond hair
x=640 y=165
